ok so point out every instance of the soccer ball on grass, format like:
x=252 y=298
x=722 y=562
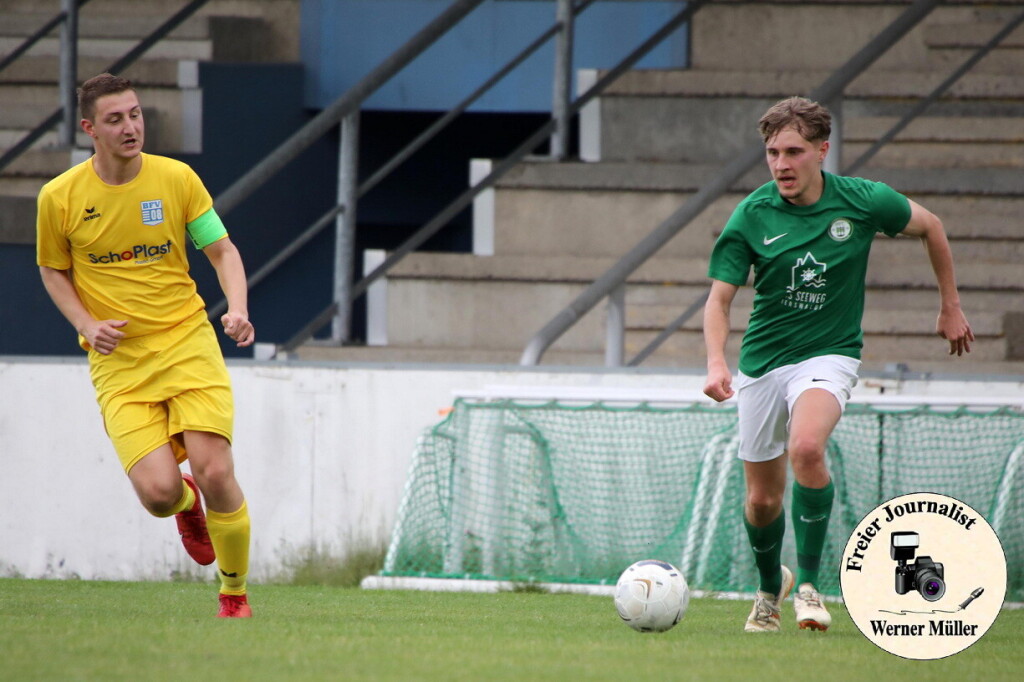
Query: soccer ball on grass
x=651 y=596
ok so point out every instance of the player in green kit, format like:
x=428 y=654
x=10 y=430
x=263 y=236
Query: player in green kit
x=807 y=235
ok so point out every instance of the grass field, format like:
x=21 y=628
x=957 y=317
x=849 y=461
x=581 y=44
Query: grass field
x=78 y=630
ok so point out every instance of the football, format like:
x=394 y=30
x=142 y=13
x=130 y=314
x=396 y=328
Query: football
x=651 y=596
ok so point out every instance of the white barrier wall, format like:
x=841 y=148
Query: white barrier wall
x=322 y=452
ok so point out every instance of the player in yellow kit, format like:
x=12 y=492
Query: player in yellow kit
x=111 y=239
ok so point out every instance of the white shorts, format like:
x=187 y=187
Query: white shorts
x=766 y=403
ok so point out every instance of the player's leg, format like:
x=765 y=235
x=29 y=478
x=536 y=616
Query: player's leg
x=227 y=516
x=817 y=397
x=765 y=523
x=164 y=491
x=157 y=481
x=815 y=415
x=762 y=421
x=763 y=517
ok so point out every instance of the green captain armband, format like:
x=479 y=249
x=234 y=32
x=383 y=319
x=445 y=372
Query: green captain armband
x=206 y=229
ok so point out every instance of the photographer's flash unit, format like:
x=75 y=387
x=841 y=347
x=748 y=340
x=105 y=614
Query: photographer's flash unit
x=903 y=544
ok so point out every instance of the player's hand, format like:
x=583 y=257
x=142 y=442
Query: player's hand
x=718 y=385
x=952 y=325
x=239 y=328
x=103 y=335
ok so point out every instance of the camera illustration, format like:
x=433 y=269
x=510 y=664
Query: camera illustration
x=924 y=575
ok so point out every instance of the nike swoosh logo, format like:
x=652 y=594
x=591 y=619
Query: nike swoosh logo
x=813 y=519
x=816 y=380
x=765 y=550
x=779 y=236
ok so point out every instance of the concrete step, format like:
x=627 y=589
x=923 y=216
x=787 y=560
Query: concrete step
x=974 y=301
x=113 y=48
x=831 y=32
x=147 y=72
x=939 y=155
x=605 y=221
x=688 y=353
x=173 y=114
x=965 y=129
x=91 y=25
x=595 y=223
x=923 y=353
x=454 y=356
x=690 y=177
x=906 y=322
x=566 y=268
x=497 y=305
x=775 y=84
x=688 y=126
x=914 y=272
x=890 y=253
x=238 y=30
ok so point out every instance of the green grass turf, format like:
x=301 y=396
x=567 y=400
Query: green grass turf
x=78 y=630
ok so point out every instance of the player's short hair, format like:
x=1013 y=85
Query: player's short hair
x=812 y=120
x=100 y=86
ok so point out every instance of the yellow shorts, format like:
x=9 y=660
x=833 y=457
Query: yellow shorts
x=154 y=387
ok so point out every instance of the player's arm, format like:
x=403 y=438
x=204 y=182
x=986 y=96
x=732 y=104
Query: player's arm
x=226 y=260
x=952 y=324
x=102 y=335
x=716 y=332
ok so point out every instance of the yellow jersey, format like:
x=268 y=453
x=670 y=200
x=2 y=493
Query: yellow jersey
x=125 y=244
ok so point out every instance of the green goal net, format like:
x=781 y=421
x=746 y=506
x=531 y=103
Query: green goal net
x=566 y=492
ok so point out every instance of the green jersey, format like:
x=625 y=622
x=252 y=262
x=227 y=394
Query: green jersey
x=810 y=264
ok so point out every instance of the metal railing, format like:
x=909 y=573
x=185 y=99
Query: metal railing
x=345 y=111
x=65 y=113
x=499 y=169
x=610 y=285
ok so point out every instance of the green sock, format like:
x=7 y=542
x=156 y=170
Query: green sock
x=811 y=510
x=767 y=545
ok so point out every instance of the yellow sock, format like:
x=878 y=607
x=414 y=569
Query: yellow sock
x=188 y=498
x=229 y=534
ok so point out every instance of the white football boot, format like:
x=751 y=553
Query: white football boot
x=810 y=611
x=764 y=617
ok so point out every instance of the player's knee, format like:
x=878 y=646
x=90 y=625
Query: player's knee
x=215 y=473
x=806 y=452
x=159 y=496
x=763 y=504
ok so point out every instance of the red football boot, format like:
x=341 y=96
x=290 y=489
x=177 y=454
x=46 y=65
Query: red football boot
x=234 y=606
x=192 y=529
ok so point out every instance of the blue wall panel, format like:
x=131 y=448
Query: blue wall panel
x=343 y=40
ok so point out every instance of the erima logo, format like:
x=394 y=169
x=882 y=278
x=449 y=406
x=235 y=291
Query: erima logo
x=90 y=215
